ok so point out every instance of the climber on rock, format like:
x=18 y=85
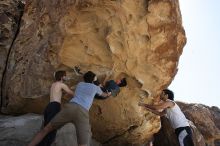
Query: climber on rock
x=176 y=117
x=107 y=85
x=76 y=111
x=111 y=86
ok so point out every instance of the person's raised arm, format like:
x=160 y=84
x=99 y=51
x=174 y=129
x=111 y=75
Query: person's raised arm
x=101 y=93
x=160 y=106
x=162 y=113
x=67 y=89
x=107 y=77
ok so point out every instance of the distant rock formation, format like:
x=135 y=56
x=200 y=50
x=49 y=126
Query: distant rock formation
x=206 y=119
x=205 y=125
x=141 y=40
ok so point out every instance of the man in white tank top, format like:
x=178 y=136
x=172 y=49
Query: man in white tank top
x=176 y=117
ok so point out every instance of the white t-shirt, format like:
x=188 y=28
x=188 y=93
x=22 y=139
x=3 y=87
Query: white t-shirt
x=176 y=116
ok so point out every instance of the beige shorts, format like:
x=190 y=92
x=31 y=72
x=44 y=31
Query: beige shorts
x=77 y=115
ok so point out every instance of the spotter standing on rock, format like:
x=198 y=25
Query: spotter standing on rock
x=176 y=117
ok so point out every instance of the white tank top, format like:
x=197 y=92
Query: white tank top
x=176 y=117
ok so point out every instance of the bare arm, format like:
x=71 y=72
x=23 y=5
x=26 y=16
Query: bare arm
x=161 y=106
x=156 y=112
x=107 y=77
x=154 y=108
x=67 y=89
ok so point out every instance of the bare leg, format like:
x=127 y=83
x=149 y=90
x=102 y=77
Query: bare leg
x=107 y=77
x=41 y=134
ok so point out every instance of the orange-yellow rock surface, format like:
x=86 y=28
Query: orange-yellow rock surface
x=141 y=40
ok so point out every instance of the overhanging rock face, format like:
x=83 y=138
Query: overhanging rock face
x=141 y=40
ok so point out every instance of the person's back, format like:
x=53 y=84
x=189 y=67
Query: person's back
x=56 y=91
x=176 y=116
x=111 y=86
x=84 y=94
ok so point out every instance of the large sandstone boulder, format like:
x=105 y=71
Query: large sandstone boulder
x=141 y=40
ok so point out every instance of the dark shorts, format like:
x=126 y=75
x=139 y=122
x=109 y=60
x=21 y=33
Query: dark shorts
x=51 y=110
x=184 y=135
x=79 y=116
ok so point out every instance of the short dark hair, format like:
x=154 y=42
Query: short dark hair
x=59 y=74
x=89 y=77
x=122 y=83
x=169 y=93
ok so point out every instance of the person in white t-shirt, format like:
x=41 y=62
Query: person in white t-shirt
x=174 y=114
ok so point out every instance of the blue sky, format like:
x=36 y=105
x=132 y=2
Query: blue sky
x=198 y=78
